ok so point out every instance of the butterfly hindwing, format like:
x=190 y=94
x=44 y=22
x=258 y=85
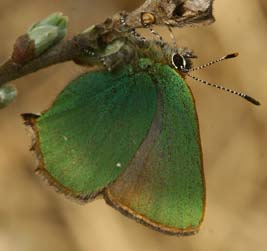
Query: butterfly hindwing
x=163 y=186
x=93 y=130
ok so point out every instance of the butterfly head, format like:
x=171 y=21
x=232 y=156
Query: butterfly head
x=182 y=60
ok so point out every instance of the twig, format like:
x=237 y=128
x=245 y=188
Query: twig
x=64 y=51
x=176 y=13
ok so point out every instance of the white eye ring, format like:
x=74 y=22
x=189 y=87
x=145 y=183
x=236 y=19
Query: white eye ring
x=182 y=65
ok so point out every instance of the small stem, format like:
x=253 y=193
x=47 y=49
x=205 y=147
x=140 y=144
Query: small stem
x=64 y=51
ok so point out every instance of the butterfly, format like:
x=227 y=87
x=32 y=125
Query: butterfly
x=131 y=135
x=129 y=132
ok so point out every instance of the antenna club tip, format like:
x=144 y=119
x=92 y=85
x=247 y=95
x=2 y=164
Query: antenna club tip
x=252 y=100
x=232 y=55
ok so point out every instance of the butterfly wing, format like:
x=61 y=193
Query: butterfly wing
x=163 y=186
x=92 y=131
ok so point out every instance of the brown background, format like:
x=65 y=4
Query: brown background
x=34 y=217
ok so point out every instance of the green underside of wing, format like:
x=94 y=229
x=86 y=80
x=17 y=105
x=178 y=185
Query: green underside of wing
x=166 y=190
x=133 y=133
x=95 y=127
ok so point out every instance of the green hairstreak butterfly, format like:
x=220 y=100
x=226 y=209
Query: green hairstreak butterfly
x=130 y=133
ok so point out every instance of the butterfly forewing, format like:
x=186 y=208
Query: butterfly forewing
x=92 y=131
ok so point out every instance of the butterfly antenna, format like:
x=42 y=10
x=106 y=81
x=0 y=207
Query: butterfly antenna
x=229 y=56
x=240 y=94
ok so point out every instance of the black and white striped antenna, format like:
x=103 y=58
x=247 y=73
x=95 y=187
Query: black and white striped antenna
x=179 y=62
x=228 y=56
x=220 y=87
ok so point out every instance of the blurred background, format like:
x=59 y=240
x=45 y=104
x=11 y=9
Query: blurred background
x=234 y=139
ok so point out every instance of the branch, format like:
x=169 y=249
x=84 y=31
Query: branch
x=64 y=51
x=40 y=46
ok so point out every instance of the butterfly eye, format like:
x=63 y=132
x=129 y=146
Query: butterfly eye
x=179 y=62
x=147 y=18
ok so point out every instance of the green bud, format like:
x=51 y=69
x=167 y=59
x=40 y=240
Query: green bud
x=7 y=95
x=48 y=32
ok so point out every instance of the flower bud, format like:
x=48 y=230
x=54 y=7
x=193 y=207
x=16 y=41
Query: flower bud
x=39 y=37
x=7 y=95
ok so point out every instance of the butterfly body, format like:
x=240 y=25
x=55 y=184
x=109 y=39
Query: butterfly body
x=126 y=50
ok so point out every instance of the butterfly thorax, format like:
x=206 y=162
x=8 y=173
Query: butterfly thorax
x=126 y=51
